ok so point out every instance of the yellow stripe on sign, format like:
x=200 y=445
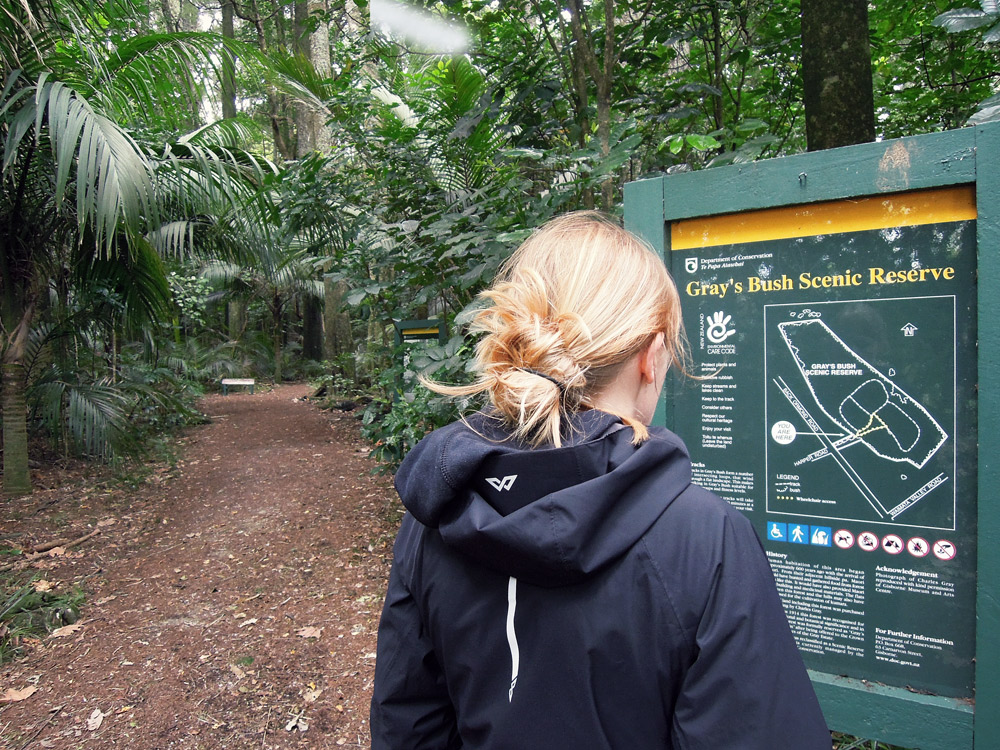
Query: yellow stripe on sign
x=854 y=215
x=420 y=331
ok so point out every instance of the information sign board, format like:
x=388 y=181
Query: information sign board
x=836 y=409
x=834 y=400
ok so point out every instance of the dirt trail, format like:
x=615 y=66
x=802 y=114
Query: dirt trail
x=232 y=603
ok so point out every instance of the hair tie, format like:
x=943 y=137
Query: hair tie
x=558 y=384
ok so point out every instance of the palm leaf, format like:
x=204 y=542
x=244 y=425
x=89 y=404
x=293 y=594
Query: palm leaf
x=295 y=76
x=229 y=133
x=92 y=156
x=160 y=74
x=94 y=416
x=993 y=35
x=136 y=274
x=97 y=420
x=24 y=35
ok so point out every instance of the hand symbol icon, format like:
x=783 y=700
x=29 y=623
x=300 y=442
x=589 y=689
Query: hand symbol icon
x=718 y=327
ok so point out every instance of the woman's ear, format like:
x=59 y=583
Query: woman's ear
x=648 y=358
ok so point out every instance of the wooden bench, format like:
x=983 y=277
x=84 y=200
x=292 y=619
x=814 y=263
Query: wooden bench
x=245 y=382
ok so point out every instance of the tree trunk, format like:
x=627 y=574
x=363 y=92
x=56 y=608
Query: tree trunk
x=283 y=149
x=302 y=45
x=338 y=342
x=718 y=71
x=18 y=311
x=180 y=16
x=581 y=84
x=171 y=10
x=320 y=58
x=311 y=129
x=228 y=71
x=277 y=336
x=236 y=314
x=312 y=329
x=837 y=74
x=16 y=474
x=603 y=73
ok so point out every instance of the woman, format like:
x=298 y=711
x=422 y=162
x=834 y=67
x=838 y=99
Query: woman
x=558 y=581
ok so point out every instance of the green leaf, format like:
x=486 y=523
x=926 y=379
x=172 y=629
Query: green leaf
x=749 y=125
x=702 y=142
x=987 y=114
x=523 y=153
x=962 y=19
x=993 y=35
x=355 y=297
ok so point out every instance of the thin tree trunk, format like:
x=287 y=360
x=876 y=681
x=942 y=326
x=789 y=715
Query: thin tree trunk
x=282 y=148
x=604 y=82
x=602 y=72
x=276 y=336
x=580 y=83
x=718 y=71
x=228 y=72
x=16 y=474
x=312 y=329
x=338 y=343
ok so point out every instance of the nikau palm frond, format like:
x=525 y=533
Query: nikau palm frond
x=95 y=415
x=295 y=76
x=454 y=101
x=91 y=202
x=92 y=155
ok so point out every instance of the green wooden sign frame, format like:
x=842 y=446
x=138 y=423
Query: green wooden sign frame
x=419 y=330
x=970 y=156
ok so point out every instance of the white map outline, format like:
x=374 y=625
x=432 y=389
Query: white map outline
x=891 y=391
x=771 y=310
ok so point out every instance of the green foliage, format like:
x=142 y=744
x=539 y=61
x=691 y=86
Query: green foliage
x=107 y=418
x=967 y=19
x=201 y=362
x=95 y=188
x=27 y=612
x=394 y=428
x=404 y=410
x=179 y=259
x=190 y=295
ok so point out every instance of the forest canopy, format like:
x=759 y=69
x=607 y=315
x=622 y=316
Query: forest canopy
x=258 y=188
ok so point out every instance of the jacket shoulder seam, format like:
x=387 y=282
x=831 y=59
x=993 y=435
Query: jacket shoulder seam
x=443 y=461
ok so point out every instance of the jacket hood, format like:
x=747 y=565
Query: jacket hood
x=550 y=517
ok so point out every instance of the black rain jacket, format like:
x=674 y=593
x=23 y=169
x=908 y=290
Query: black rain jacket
x=583 y=597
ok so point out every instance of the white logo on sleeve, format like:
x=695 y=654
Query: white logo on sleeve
x=502 y=484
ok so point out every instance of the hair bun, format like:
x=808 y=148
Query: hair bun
x=577 y=300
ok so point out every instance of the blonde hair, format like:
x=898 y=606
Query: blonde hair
x=573 y=303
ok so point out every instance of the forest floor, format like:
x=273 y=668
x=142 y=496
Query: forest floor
x=231 y=598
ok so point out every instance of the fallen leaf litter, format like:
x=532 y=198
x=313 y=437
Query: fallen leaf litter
x=158 y=659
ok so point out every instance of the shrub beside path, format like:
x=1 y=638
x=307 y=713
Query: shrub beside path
x=231 y=602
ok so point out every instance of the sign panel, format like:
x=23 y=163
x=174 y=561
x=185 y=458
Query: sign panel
x=835 y=404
